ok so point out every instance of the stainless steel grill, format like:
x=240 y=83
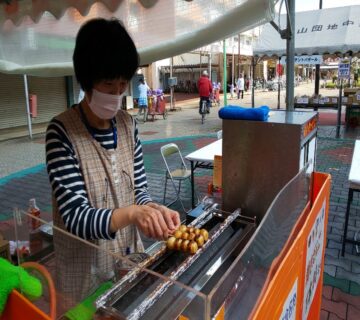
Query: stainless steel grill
x=141 y=295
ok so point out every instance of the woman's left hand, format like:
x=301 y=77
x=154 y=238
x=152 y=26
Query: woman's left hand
x=171 y=217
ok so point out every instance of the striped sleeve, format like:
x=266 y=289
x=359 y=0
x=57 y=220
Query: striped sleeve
x=68 y=188
x=141 y=188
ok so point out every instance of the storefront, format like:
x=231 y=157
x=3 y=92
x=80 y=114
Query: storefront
x=50 y=100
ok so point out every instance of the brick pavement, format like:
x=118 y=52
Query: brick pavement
x=341 y=289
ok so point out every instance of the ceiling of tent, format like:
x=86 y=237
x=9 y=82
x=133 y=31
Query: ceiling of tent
x=326 y=31
x=37 y=37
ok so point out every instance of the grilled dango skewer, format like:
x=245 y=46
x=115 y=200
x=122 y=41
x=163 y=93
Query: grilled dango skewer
x=205 y=234
x=193 y=247
x=170 y=243
x=200 y=240
x=177 y=234
x=177 y=245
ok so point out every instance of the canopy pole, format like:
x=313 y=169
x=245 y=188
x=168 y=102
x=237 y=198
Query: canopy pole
x=317 y=68
x=290 y=50
x=278 y=105
x=171 y=87
x=225 y=75
x=338 y=125
x=210 y=61
x=28 y=112
x=253 y=83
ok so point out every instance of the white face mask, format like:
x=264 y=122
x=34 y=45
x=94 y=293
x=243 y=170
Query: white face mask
x=105 y=105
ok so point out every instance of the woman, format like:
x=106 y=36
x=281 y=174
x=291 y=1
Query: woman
x=95 y=166
x=143 y=99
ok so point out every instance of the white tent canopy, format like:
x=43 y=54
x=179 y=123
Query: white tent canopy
x=37 y=37
x=326 y=31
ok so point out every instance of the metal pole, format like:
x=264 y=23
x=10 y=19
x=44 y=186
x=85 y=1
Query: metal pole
x=338 y=125
x=171 y=87
x=209 y=64
x=232 y=66
x=290 y=50
x=253 y=83
x=239 y=60
x=278 y=105
x=225 y=75
x=26 y=88
x=317 y=68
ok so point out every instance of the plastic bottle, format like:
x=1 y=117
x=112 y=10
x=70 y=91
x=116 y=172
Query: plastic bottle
x=35 y=238
x=34 y=211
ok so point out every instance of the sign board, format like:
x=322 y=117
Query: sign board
x=314 y=249
x=314 y=59
x=289 y=307
x=344 y=70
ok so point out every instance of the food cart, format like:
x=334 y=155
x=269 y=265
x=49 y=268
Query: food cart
x=265 y=252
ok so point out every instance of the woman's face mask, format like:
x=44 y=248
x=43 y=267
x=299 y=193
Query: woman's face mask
x=105 y=105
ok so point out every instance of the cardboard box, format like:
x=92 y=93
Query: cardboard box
x=4 y=248
x=350 y=100
x=314 y=100
x=356 y=97
x=334 y=100
x=302 y=100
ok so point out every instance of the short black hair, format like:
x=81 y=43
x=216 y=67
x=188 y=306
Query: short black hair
x=103 y=51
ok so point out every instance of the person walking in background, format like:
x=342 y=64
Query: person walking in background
x=143 y=99
x=205 y=89
x=240 y=84
x=232 y=91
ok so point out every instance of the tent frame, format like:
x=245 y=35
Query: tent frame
x=287 y=34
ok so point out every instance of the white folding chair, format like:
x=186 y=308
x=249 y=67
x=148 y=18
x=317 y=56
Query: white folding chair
x=176 y=170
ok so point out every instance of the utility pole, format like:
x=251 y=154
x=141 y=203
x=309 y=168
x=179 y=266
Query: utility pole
x=317 y=67
x=239 y=60
x=225 y=75
x=290 y=54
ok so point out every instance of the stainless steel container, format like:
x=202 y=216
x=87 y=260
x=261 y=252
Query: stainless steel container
x=259 y=158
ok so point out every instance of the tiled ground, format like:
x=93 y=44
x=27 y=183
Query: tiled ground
x=341 y=289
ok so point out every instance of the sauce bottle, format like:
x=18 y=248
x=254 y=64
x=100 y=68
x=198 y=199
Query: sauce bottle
x=34 y=211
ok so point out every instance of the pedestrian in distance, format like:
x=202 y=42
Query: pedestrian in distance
x=143 y=99
x=205 y=89
x=240 y=84
x=95 y=166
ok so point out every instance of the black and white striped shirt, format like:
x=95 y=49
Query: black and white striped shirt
x=68 y=184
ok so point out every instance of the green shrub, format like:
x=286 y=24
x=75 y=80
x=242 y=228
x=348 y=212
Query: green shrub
x=330 y=85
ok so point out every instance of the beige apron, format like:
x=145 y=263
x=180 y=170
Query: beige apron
x=109 y=181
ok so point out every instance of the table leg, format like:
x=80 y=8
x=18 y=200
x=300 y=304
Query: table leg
x=350 y=197
x=192 y=185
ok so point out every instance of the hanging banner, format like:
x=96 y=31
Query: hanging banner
x=314 y=59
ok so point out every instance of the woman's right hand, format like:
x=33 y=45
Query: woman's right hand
x=149 y=220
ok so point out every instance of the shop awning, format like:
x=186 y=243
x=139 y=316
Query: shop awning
x=326 y=31
x=37 y=37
